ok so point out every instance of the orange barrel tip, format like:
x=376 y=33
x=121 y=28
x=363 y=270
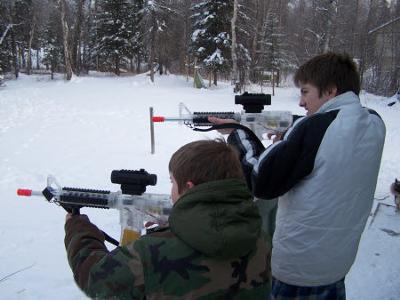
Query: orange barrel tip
x=158 y=119
x=24 y=192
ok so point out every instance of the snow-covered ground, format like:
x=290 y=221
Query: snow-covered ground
x=81 y=130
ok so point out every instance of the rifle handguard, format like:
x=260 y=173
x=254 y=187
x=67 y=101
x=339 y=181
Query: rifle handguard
x=201 y=118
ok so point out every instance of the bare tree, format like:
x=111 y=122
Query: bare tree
x=31 y=34
x=235 y=77
x=395 y=80
x=77 y=38
x=67 y=56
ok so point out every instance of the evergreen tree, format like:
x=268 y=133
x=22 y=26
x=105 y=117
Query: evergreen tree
x=157 y=17
x=137 y=40
x=114 y=32
x=271 y=45
x=211 y=39
x=243 y=28
x=23 y=15
x=5 y=31
x=278 y=55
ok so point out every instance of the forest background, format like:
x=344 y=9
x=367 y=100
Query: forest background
x=242 y=41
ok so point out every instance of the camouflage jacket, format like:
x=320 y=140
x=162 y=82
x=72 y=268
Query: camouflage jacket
x=213 y=249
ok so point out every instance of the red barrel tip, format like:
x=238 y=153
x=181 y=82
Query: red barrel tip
x=158 y=119
x=24 y=192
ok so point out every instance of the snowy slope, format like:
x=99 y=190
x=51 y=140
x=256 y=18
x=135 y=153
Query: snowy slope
x=81 y=130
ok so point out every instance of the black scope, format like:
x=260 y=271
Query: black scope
x=253 y=103
x=133 y=182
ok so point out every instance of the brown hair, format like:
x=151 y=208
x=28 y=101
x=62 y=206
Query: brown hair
x=204 y=161
x=328 y=70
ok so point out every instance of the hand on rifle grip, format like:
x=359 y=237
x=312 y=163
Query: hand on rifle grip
x=275 y=136
x=218 y=121
x=72 y=210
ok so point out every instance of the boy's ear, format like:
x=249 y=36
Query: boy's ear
x=189 y=184
x=332 y=91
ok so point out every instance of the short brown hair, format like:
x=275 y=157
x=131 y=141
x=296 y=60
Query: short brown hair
x=328 y=70
x=203 y=161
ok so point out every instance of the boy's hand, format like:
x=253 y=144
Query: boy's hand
x=275 y=136
x=69 y=216
x=218 y=121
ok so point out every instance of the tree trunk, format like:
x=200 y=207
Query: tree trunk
x=96 y=33
x=22 y=57
x=14 y=54
x=76 y=45
x=3 y=36
x=14 y=46
x=354 y=27
x=117 y=58
x=151 y=62
x=31 y=33
x=52 y=71
x=131 y=68
x=187 y=67
x=273 y=82
x=257 y=27
x=67 y=57
x=235 y=77
x=152 y=47
x=364 y=44
x=86 y=55
x=138 y=64
x=37 y=59
x=395 y=78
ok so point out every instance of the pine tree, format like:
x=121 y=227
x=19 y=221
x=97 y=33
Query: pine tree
x=278 y=55
x=5 y=32
x=157 y=17
x=137 y=40
x=23 y=15
x=240 y=42
x=114 y=32
x=211 y=38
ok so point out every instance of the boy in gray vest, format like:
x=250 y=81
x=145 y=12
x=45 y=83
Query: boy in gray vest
x=324 y=171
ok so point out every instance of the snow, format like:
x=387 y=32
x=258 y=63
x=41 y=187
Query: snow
x=81 y=130
x=215 y=58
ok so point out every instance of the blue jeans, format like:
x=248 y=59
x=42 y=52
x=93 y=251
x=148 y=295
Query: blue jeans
x=283 y=291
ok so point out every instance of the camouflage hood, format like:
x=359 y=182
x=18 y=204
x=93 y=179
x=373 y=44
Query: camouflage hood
x=218 y=219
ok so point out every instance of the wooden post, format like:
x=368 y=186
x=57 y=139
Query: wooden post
x=152 y=131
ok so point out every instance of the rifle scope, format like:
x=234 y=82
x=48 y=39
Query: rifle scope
x=253 y=103
x=133 y=182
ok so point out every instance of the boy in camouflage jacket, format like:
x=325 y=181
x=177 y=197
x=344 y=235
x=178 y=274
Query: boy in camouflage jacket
x=213 y=248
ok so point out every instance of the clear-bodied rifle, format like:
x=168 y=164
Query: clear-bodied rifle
x=252 y=116
x=135 y=206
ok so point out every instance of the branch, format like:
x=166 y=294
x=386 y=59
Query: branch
x=9 y=26
x=16 y=272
